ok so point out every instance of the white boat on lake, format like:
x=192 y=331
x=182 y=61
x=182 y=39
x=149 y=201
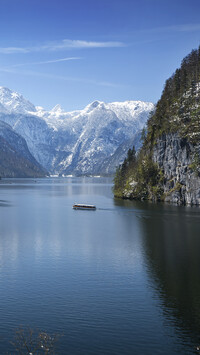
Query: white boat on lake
x=80 y=206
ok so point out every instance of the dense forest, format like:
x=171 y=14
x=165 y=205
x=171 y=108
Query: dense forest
x=177 y=111
x=179 y=103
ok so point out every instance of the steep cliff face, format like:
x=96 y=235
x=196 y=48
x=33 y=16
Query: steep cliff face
x=176 y=157
x=15 y=157
x=167 y=167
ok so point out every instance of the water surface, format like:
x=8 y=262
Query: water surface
x=123 y=279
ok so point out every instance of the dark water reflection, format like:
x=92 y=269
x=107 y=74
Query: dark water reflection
x=123 y=279
x=172 y=245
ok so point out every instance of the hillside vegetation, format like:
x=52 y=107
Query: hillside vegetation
x=171 y=141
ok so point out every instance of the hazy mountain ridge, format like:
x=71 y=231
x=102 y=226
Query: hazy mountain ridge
x=109 y=165
x=75 y=142
x=15 y=158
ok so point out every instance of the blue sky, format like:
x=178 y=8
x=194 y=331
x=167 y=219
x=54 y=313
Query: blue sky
x=75 y=52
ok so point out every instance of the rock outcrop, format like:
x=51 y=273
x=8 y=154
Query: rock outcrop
x=176 y=157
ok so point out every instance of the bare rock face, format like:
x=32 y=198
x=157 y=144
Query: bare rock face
x=177 y=158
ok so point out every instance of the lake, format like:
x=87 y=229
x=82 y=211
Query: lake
x=124 y=279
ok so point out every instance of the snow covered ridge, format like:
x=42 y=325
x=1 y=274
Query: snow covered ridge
x=124 y=111
x=75 y=142
x=12 y=102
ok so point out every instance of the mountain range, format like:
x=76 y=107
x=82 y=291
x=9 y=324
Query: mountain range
x=88 y=141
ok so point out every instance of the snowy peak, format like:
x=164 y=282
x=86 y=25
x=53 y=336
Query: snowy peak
x=130 y=112
x=93 y=105
x=128 y=109
x=12 y=102
x=57 y=109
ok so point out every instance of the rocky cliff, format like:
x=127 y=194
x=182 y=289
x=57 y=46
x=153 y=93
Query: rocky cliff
x=167 y=167
x=176 y=156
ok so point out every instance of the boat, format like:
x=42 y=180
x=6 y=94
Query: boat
x=80 y=206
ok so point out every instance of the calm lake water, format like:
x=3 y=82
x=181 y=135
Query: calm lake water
x=124 y=279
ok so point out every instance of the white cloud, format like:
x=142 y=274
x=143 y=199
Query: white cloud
x=61 y=45
x=12 y=50
x=175 y=28
x=44 y=62
x=59 y=77
x=187 y=27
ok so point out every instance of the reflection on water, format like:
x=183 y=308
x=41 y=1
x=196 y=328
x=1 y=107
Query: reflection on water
x=172 y=243
x=123 y=279
x=4 y=203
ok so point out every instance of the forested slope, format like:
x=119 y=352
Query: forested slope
x=168 y=164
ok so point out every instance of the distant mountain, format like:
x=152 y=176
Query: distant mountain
x=76 y=142
x=15 y=158
x=109 y=165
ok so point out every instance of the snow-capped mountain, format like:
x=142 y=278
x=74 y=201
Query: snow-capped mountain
x=13 y=102
x=75 y=142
